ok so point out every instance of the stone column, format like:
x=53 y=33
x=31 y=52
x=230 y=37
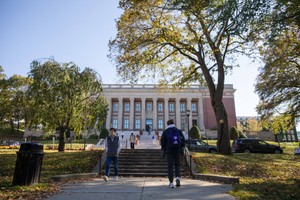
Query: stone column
x=154 y=99
x=177 y=114
x=189 y=107
x=143 y=113
x=201 y=113
x=131 y=114
x=120 y=114
x=109 y=112
x=166 y=107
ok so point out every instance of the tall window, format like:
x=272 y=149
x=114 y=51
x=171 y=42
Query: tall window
x=126 y=106
x=182 y=107
x=194 y=107
x=138 y=107
x=160 y=124
x=160 y=107
x=183 y=123
x=149 y=106
x=115 y=123
x=171 y=107
x=126 y=123
x=115 y=106
x=137 y=124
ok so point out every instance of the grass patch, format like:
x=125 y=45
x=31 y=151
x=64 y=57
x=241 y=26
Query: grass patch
x=54 y=163
x=262 y=176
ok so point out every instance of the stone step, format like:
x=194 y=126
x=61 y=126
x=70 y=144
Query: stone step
x=144 y=162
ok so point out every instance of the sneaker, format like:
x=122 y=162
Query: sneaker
x=116 y=178
x=177 y=182
x=105 y=178
x=171 y=185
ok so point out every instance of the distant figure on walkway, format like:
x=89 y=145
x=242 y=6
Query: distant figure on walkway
x=137 y=139
x=122 y=135
x=132 y=140
x=172 y=143
x=112 y=148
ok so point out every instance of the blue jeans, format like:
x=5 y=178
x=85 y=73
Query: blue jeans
x=116 y=165
x=173 y=159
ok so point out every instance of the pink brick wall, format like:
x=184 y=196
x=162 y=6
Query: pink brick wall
x=209 y=115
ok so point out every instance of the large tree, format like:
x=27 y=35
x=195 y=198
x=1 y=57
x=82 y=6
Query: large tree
x=13 y=99
x=278 y=83
x=182 y=42
x=66 y=97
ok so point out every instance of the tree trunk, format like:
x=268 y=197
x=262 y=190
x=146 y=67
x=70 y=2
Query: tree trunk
x=12 y=125
x=61 y=144
x=223 y=143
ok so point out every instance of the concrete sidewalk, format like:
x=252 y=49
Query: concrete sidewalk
x=143 y=188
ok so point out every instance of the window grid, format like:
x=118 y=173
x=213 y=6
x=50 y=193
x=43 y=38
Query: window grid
x=171 y=107
x=137 y=123
x=138 y=107
x=160 y=124
x=149 y=106
x=126 y=123
x=160 y=107
x=183 y=124
x=126 y=106
x=115 y=123
x=115 y=106
x=182 y=107
x=194 y=107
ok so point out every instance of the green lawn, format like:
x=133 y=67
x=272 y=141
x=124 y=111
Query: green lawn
x=262 y=176
x=54 y=163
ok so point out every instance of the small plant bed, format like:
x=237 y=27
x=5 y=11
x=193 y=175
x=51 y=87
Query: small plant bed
x=54 y=163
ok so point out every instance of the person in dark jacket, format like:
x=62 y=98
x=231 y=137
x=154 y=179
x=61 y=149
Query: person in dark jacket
x=172 y=151
x=112 y=148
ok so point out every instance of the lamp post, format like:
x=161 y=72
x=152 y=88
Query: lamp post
x=188 y=122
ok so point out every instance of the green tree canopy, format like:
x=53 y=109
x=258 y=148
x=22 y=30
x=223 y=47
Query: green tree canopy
x=65 y=96
x=13 y=99
x=278 y=84
x=182 y=42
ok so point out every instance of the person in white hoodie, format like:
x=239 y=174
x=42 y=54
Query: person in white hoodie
x=112 y=148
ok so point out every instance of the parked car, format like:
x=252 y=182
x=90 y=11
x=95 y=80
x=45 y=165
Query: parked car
x=254 y=145
x=200 y=146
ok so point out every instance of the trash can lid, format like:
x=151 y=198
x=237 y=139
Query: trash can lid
x=31 y=147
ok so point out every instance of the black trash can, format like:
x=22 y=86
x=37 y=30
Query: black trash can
x=28 y=164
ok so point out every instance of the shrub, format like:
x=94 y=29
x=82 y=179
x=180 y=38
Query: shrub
x=234 y=134
x=94 y=136
x=195 y=132
x=104 y=133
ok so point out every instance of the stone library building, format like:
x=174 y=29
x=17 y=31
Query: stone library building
x=147 y=107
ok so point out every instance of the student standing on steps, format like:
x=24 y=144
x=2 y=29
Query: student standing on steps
x=132 y=140
x=172 y=143
x=112 y=148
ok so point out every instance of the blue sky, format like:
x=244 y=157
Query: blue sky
x=79 y=31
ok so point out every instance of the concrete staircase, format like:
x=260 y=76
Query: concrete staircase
x=145 y=162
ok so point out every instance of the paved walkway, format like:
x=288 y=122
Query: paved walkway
x=143 y=189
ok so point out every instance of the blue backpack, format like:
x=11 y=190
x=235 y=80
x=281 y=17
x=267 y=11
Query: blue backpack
x=174 y=140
